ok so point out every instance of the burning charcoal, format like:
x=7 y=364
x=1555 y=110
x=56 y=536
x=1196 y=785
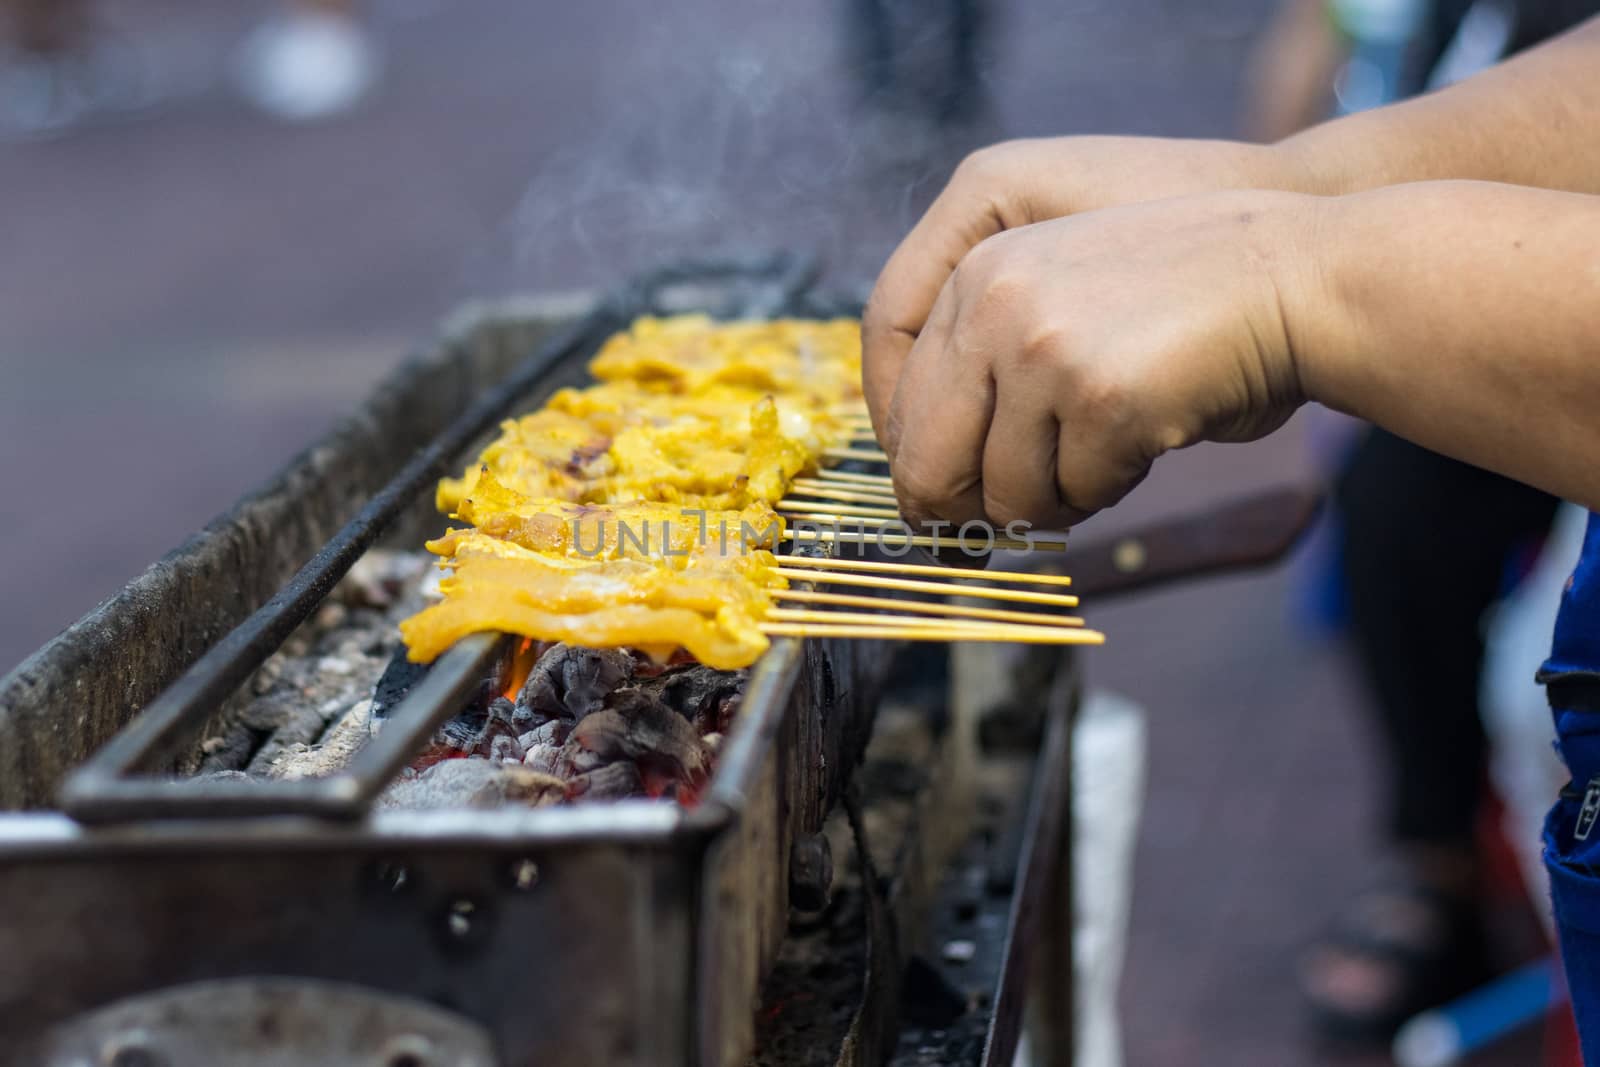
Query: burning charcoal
x=575 y=759
x=611 y=782
x=554 y=733
x=542 y=758
x=461 y=733
x=589 y=675
x=473 y=783
x=721 y=719
x=569 y=682
x=502 y=710
x=495 y=726
x=506 y=749
x=698 y=691
x=540 y=696
x=643 y=728
x=474 y=731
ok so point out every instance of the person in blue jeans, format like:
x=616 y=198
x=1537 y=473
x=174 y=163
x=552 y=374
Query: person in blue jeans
x=1070 y=309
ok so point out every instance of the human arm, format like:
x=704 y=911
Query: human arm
x=1064 y=357
x=1529 y=121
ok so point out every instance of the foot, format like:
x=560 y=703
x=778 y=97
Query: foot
x=1411 y=942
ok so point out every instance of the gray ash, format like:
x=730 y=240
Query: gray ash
x=313 y=689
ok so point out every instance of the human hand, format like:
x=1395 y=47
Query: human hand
x=1019 y=183
x=1061 y=358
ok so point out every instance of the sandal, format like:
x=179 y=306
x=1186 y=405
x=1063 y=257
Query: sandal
x=1399 y=948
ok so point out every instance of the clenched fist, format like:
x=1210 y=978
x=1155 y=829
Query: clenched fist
x=1060 y=358
x=1019 y=183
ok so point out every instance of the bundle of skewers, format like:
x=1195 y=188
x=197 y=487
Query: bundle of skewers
x=679 y=503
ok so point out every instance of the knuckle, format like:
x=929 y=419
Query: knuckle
x=1047 y=344
x=978 y=265
x=1103 y=399
x=1002 y=510
x=981 y=166
x=1088 y=495
x=992 y=165
x=1101 y=481
x=922 y=491
x=992 y=286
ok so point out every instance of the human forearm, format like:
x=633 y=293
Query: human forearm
x=1528 y=121
x=1464 y=316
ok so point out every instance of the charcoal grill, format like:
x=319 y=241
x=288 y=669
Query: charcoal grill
x=150 y=920
x=632 y=932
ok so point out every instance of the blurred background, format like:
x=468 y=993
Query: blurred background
x=221 y=224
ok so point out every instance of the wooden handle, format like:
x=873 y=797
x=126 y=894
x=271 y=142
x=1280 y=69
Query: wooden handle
x=1249 y=531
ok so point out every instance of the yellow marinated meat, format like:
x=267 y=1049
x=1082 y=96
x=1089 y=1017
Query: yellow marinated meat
x=704 y=464
x=688 y=353
x=610 y=531
x=725 y=640
x=547 y=454
x=719 y=451
x=706 y=588
x=613 y=406
x=708 y=604
x=636 y=512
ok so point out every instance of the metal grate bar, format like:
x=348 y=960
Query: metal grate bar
x=109 y=797
x=121 y=781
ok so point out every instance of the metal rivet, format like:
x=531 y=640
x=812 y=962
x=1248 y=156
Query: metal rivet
x=392 y=877
x=464 y=923
x=523 y=874
x=1129 y=555
x=130 y=1050
x=407 y=1050
x=458 y=920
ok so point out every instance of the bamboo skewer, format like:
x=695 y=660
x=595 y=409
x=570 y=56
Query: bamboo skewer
x=866 y=455
x=828 y=474
x=892 y=539
x=802 y=509
x=933 y=570
x=838 y=527
x=868 y=618
x=849 y=519
x=928 y=607
x=1021 y=635
x=847 y=491
x=846 y=618
x=908 y=585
